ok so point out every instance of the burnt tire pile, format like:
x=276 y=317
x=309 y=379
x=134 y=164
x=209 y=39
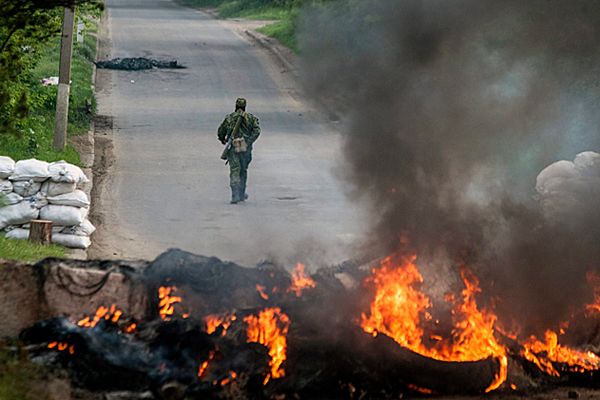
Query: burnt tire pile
x=171 y=350
x=137 y=64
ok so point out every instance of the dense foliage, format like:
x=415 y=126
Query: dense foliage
x=25 y=28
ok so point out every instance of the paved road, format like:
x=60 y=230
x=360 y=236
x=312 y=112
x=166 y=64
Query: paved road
x=168 y=187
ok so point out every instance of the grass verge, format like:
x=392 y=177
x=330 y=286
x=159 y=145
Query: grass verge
x=37 y=129
x=22 y=250
x=20 y=379
x=284 y=29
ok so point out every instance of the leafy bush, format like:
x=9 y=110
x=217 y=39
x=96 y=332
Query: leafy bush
x=31 y=134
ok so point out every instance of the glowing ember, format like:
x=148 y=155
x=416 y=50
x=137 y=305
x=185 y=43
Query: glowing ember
x=545 y=353
x=419 y=389
x=131 y=328
x=270 y=329
x=226 y=381
x=213 y=321
x=398 y=306
x=300 y=281
x=167 y=301
x=204 y=365
x=102 y=313
x=62 y=346
x=262 y=291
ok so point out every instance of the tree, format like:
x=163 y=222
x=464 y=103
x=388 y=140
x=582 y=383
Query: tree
x=25 y=26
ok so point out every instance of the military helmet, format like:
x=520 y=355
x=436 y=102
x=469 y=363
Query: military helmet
x=240 y=103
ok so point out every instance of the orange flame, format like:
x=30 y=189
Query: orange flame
x=231 y=377
x=300 y=281
x=109 y=314
x=204 y=365
x=270 y=329
x=167 y=301
x=62 y=346
x=545 y=353
x=398 y=306
x=262 y=292
x=213 y=321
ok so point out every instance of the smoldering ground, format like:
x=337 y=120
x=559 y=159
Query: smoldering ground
x=453 y=108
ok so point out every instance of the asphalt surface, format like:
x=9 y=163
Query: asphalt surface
x=168 y=187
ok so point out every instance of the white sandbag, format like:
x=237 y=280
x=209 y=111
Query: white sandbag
x=12 y=198
x=26 y=188
x=85 y=229
x=567 y=189
x=38 y=201
x=62 y=171
x=18 y=214
x=31 y=169
x=18 y=233
x=555 y=173
x=57 y=188
x=55 y=228
x=7 y=167
x=72 y=241
x=6 y=186
x=588 y=163
x=63 y=215
x=77 y=198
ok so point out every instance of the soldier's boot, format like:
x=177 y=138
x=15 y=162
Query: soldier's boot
x=243 y=195
x=235 y=194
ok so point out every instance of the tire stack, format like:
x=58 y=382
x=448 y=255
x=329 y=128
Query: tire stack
x=33 y=189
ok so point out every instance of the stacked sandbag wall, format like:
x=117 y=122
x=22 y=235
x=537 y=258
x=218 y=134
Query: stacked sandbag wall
x=34 y=189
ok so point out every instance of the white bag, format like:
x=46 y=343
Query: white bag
x=85 y=229
x=63 y=215
x=72 y=241
x=6 y=186
x=57 y=188
x=55 y=228
x=31 y=169
x=588 y=163
x=18 y=233
x=62 y=171
x=38 y=201
x=12 y=198
x=77 y=198
x=7 y=167
x=18 y=214
x=26 y=188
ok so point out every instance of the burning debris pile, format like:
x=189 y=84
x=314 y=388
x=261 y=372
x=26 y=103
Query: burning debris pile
x=216 y=330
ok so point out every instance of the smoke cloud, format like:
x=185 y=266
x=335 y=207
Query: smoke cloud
x=453 y=108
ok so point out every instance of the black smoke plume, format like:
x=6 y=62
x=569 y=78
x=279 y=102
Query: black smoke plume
x=452 y=109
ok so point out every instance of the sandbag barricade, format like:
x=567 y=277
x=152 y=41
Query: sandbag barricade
x=32 y=189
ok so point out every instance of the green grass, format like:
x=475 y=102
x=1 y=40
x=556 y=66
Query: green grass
x=22 y=250
x=284 y=30
x=20 y=379
x=38 y=128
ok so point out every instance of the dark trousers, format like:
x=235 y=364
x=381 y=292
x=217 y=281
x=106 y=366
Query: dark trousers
x=238 y=170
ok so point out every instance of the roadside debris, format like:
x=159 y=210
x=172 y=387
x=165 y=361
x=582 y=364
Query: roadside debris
x=50 y=81
x=137 y=64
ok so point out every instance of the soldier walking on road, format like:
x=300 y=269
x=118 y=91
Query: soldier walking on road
x=238 y=132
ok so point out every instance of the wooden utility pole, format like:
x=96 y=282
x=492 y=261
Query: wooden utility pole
x=64 y=78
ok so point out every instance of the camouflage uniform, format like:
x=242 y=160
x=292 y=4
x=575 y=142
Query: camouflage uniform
x=238 y=162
